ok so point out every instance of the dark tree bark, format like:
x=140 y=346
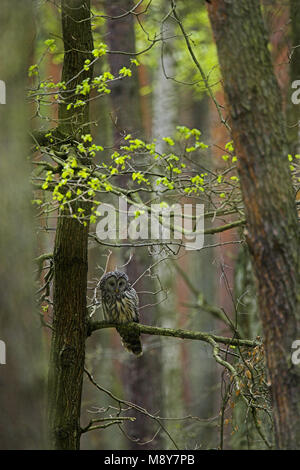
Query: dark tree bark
x=293 y=110
x=258 y=130
x=125 y=93
x=70 y=252
x=137 y=373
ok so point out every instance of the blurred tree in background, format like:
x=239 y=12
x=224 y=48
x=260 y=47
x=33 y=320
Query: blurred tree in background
x=150 y=102
x=23 y=377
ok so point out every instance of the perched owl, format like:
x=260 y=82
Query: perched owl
x=120 y=305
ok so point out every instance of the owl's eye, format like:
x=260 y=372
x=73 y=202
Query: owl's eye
x=112 y=283
x=121 y=283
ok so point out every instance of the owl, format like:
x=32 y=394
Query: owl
x=120 y=305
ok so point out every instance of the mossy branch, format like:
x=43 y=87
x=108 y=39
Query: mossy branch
x=175 y=333
x=40 y=259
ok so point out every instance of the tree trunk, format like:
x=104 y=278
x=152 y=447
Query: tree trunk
x=125 y=93
x=22 y=374
x=257 y=122
x=138 y=374
x=70 y=253
x=293 y=110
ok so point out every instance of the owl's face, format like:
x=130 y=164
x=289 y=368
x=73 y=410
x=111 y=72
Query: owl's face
x=114 y=283
x=119 y=299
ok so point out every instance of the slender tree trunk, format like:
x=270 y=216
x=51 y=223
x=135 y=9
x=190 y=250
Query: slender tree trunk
x=139 y=374
x=257 y=122
x=21 y=387
x=70 y=252
x=125 y=93
x=166 y=110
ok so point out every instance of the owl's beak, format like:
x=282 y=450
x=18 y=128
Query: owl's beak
x=117 y=291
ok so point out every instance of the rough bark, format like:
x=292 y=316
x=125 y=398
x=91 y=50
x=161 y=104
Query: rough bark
x=258 y=131
x=293 y=110
x=70 y=254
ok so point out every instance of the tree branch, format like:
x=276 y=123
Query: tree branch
x=111 y=420
x=175 y=333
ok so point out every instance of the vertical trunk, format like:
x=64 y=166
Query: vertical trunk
x=165 y=114
x=70 y=253
x=245 y=297
x=21 y=394
x=125 y=93
x=293 y=115
x=257 y=123
x=136 y=372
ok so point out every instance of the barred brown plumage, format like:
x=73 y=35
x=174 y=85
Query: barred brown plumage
x=120 y=305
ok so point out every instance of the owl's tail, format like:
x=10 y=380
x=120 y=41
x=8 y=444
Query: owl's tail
x=130 y=340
